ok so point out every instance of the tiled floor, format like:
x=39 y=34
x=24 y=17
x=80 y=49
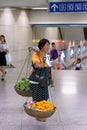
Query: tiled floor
x=69 y=95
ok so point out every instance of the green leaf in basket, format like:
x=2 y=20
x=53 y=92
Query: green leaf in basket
x=22 y=87
x=25 y=79
x=24 y=84
x=18 y=85
x=27 y=89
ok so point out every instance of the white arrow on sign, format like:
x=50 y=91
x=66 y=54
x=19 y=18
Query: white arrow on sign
x=54 y=6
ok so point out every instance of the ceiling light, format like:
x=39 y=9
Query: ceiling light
x=39 y=8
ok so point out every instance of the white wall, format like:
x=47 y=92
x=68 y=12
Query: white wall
x=50 y=33
x=72 y=33
x=44 y=18
x=57 y=18
x=14 y=24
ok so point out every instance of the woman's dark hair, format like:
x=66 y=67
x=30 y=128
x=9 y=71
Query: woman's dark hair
x=3 y=37
x=42 y=42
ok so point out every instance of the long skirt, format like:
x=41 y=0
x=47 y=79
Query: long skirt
x=38 y=93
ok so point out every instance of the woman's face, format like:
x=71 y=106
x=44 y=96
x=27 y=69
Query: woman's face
x=78 y=61
x=46 y=47
x=2 y=38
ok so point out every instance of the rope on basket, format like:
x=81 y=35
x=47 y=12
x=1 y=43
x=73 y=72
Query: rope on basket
x=30 y=49
x=50 y=95
x=27 y=58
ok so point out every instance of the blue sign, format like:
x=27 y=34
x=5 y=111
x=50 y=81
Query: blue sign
x=80 y=6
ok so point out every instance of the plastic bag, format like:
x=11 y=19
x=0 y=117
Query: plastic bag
x=8 y=58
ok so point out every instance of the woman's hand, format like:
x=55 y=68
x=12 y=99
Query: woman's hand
x=39 y=65
x=52 y=83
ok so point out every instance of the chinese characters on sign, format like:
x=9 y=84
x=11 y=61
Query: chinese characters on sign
x=68 y=6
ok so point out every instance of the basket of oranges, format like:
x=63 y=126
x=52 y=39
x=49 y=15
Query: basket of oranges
x=40 y=110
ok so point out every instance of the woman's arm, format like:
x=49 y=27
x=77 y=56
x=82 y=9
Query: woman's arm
x=38 y=61
x=5 y=48
x=39 y=65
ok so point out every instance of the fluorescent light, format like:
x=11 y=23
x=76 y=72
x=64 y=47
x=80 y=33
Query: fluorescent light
x=39 y=8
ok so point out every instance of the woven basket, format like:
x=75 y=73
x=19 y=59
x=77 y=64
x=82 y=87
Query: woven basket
x=38 y=114
x=23 y=93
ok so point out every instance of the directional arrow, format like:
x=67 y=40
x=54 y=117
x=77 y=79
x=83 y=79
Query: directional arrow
x=54 y=6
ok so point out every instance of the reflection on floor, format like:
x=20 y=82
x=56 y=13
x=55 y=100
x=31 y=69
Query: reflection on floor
x=69 y=95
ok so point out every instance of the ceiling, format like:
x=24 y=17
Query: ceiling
x=29 y=3
x=24 y=3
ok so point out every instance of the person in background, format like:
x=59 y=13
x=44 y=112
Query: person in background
x=3 y=52
x=54 y=55
x=78 y=64
x=62 y=63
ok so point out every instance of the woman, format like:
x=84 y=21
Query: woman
x=3 y=51
x=39 y=61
